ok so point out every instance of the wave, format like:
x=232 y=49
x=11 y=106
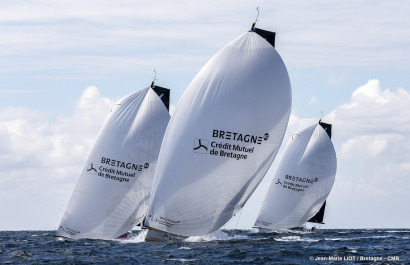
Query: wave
x=180 y=260
x=184 y=248
x=282 y=231
x=296 y=238
x=216 y=236
x=357 y=238
x=135 y=238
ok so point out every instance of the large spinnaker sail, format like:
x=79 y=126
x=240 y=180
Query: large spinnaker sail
x=222 y=138
x=112 y=193
x=302 y=181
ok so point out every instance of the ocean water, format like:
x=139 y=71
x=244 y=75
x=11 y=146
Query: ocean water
x=328 y=246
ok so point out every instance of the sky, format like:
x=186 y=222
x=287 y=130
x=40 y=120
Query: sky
x=63 y=64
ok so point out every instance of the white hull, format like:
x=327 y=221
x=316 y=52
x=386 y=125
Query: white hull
x=154 y=235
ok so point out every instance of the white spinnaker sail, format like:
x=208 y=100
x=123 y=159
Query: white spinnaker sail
x=302 y=181
x=222 y=138
x=112 y=193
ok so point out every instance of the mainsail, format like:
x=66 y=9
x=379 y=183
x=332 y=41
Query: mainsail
x=222 y=138
x=112 y=193
x=302 y=182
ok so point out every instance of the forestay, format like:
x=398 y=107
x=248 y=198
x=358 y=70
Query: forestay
x=112 y=193
x=302 y=182
x=222 y=138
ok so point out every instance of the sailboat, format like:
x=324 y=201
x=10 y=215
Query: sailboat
x=112 y=193
x=221 y=140
x=302 y=181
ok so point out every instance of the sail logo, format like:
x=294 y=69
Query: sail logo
x=304 y=180
x=237 y=151
x=92 y=168
x=201 y=146
x=121 y=164
x=297 y=184
x=115 y=169
x=239 y=137
x=69 y=231
x=166 y=221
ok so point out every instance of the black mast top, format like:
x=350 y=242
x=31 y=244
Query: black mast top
x=327 y=127
x=269 y=36
x=162 y=92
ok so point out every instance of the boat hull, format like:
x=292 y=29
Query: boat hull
x=155 y=235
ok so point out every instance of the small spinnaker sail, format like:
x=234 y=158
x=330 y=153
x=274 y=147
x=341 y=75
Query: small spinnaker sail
x=222 y=138
x=302 y=181
x=112 y=193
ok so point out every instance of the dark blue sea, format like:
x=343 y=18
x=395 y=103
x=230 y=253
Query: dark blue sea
x=328 y=246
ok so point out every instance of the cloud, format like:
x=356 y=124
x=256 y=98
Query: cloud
x=18 y=92
x=373 y=110
x=115 y=37
x=41 y=157
x=45 y=39
x=110 y=38
x=171 y=109
x=372 y=134
x=372 y=142
x=335 y=79
x=313 y=100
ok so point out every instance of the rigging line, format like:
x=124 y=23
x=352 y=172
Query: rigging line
x=155 y=78
x=230 y=220
x=239 y=217
x=256 y=20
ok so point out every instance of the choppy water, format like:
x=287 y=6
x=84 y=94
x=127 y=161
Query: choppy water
x=329 y=246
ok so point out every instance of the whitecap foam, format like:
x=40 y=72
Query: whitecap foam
x=138 y=238
x=353 y=250
x=182 y=260
x=356 y=238
x=215 y=236
x=339 y=239
x=280 y=231
x=184 y=248
x=296 y=238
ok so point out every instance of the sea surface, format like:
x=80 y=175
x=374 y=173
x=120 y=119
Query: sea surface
x=327 y=246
